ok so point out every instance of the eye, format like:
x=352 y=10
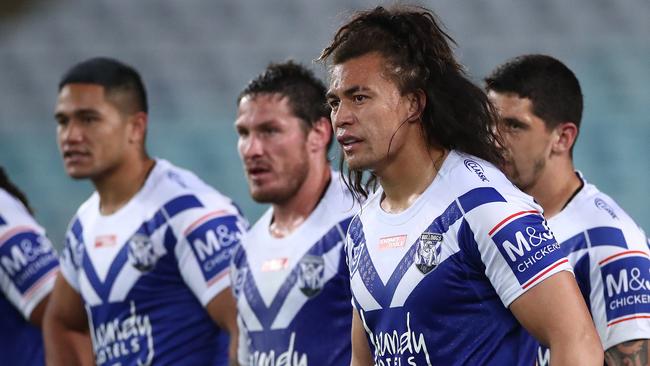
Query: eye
x=513 y=125
x=359 y=98
x=89 y=119
x=61 y=121
x=334 y=104
x=241 y=132
x=269 y=131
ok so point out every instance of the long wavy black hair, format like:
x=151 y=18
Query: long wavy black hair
x=419 y=56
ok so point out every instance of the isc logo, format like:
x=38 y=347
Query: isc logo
x=525 y=243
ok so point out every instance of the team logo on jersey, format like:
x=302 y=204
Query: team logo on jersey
x=475 y=167
x=427 y=255
x=310 y=274
x=141 y=253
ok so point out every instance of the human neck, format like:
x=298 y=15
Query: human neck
x=117 y=187
x=555 y=187
x=409 y=174
x=289 y=215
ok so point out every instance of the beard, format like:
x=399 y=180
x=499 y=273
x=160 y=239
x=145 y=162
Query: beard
x=525 y=182
x=285 y=187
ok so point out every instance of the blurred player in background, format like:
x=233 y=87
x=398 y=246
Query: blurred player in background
x=448 y=259
x=28 y=268
x=147 y=256
x=540 y=102
x=290 y=276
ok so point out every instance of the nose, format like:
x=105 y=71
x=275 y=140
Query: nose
x=71 y=132
x=342 y=116
x=250 y=146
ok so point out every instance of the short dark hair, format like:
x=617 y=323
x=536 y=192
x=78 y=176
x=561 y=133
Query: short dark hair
x=12 y=189
x=550 y=85
x=114 y=76
x=457 y=114
x=305 y=92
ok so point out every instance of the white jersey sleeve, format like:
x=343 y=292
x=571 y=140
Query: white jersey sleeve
x=207 y=237
x=28 y=263
x=514 y=242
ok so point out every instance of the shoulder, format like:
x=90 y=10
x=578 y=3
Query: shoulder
x=476 y=183
x=174 y=184
x=597 y=214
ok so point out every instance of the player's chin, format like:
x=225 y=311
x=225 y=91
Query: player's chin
x=76 y=173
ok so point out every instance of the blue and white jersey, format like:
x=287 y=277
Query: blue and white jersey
x=28 y=268
x=293 y=294
x=433 y=283
x=147 y=271
x=611 y=262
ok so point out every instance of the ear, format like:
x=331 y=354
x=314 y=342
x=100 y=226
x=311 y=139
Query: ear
x=319 y=135
x=417 y=100
x=138 y=131
x=566 y=134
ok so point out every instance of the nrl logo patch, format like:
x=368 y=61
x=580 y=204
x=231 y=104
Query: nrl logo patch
x=141 y=253
x=427 y=254
x=310 y=275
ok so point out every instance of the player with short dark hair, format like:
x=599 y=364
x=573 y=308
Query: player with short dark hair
x=289 y=274
x=540 y=102
x=28 y=267
x=449 y=262
x=146 y=260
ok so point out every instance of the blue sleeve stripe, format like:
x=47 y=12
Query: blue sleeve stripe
x=600 y=236
x=479 y=196
x=181 y=203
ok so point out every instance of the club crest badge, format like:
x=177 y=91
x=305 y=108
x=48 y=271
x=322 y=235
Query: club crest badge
x=141 y=253
x=427 y=254
x=310 y=275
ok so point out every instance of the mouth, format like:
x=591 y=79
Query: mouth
x=257 y=172
x=348 y=142
x=75 y=156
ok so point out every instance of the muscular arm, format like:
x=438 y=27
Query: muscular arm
x=360 y=350
x=223 y=311
x=65 y=328
x=636 y=353
x=555 y=313
x=36 y=316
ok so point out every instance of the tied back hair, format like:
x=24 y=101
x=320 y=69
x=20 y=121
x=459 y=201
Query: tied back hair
x=419 y=57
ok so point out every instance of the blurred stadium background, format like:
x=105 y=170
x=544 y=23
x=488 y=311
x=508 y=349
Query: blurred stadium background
x=196 y=55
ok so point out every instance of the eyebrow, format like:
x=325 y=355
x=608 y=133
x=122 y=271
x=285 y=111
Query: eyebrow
x=78 y=112
x=348 y=92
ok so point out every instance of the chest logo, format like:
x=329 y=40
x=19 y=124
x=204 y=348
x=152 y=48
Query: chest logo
x=427 y=255
x=105 y=241
x=273 y=265
x=142 y=254
x=310 y=275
